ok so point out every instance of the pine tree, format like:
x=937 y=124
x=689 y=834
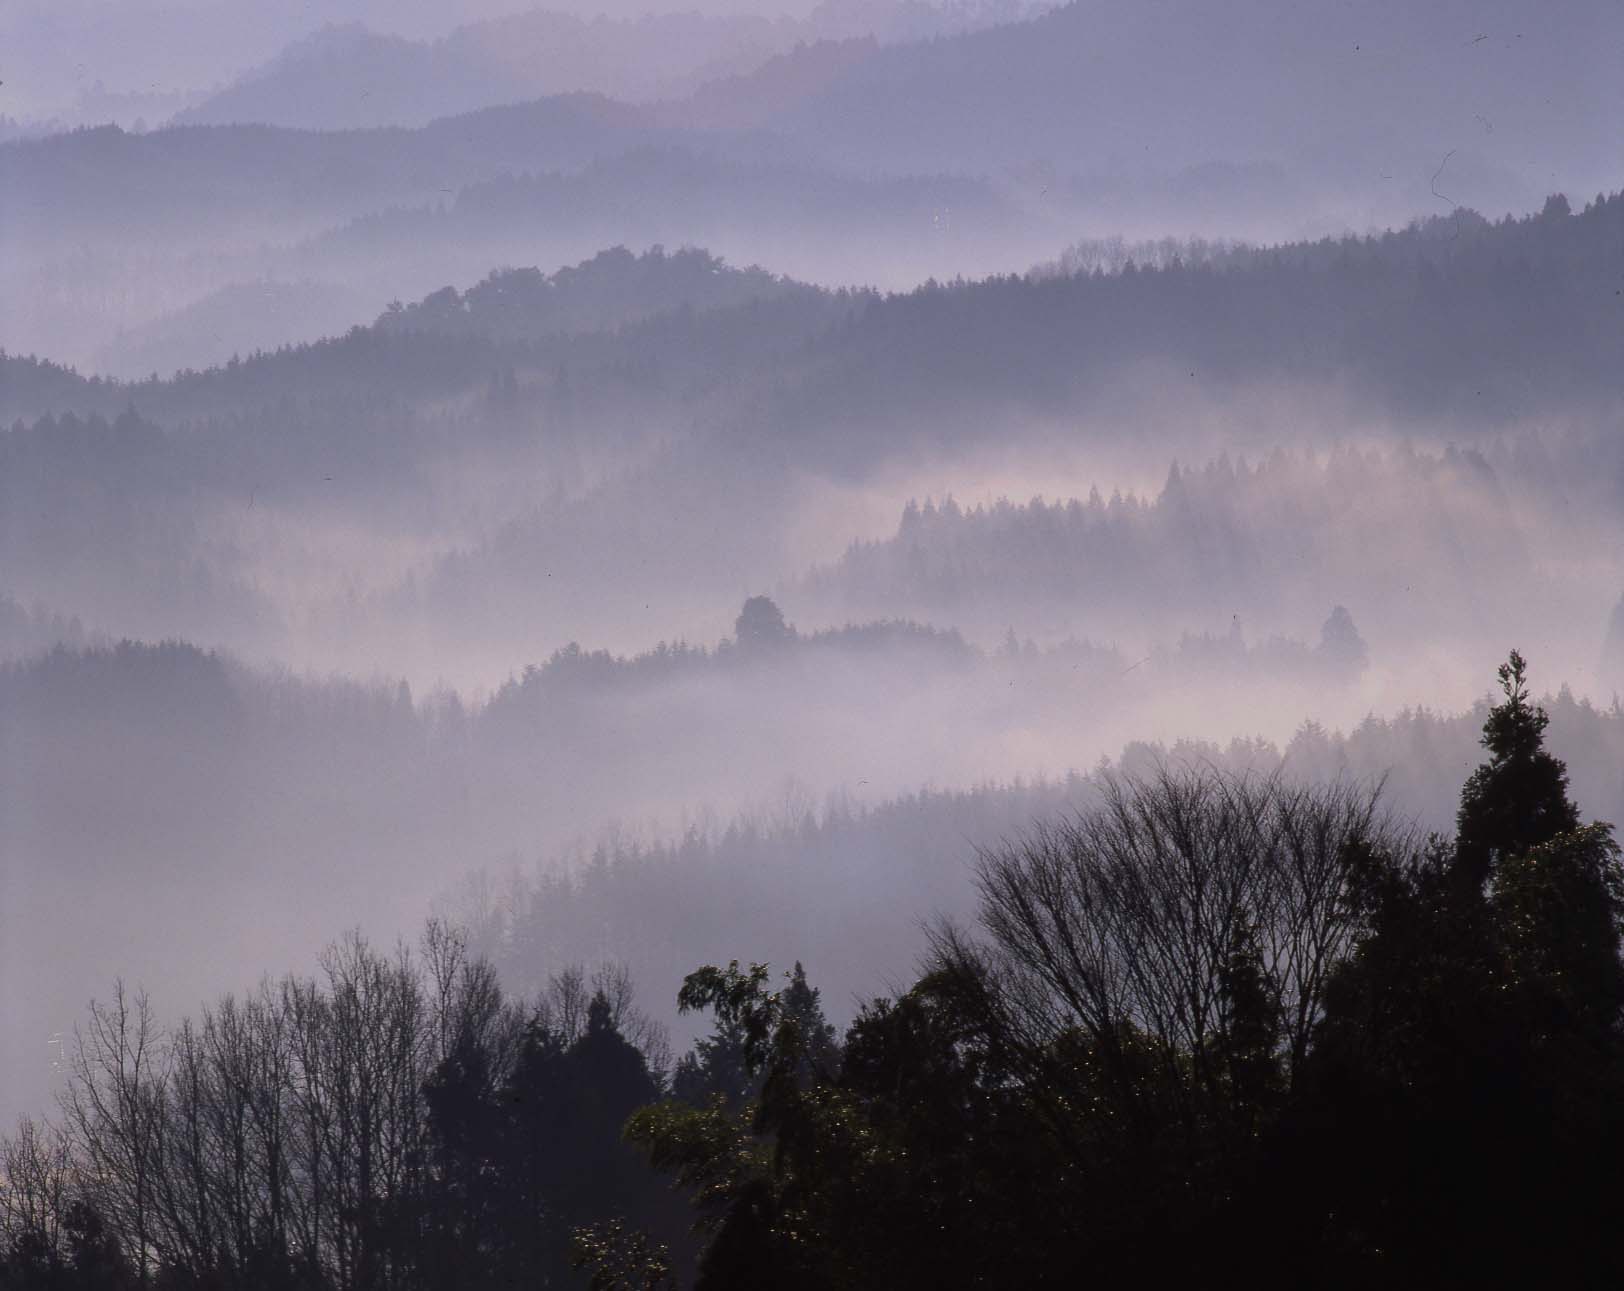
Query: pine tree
x=1518 y=799
x=761 y=625
x=819 y=1049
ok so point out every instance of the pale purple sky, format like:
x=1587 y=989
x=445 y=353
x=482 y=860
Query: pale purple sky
x=52 y=50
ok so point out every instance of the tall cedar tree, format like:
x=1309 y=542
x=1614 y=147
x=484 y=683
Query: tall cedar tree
x=1466 y=1076
x=1519 y=798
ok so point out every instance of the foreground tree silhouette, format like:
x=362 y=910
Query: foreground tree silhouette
x=1151 y=974
x=760 y=1169
x=1519 y=798
x=1207 y=1018
x=1468 y=1069
x=1088 y=1082
x=396 y=1123
x=1208 y=1021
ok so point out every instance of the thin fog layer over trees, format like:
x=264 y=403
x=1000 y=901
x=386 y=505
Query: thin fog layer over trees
x=1203 y=974
x=474 y=472
x=1255 y=544
x=911 y=594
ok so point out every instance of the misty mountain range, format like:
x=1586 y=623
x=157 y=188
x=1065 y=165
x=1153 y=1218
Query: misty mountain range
x=617 y=396
x=348 y=77
x=985 y=146
x=673 y=488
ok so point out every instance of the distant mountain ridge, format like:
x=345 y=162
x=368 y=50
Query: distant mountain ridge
x=349 y=77
x=1372 y=96
x=1383 y=314
x=346 y=76
x=187 y=176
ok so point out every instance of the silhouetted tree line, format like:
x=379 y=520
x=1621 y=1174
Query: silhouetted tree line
x=1223 y=538
x=1216 y=1017
x=615 y=287
x=605 y=335
x=1418 y=323
x=1215 y=1023
x=635 y=429
x=176 y=181
x=108 y=513
x=843 y=880
x=1339 y=656
x=761 y=636
x=1459 y=318
x=27 y=630
x=1436 y=241
x=395 y=1121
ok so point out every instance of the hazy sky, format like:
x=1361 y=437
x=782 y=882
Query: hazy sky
x=51 y=51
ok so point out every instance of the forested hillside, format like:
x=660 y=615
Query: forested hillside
x=1377 y=312
x=864 y=644
x=1227 y=970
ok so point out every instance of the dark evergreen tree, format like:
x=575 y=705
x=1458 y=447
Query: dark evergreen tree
x=815 y=1038
x=716 y=1068
x=559 y=1159
x=1340 y=644
x=761 y=625
x=462 y=1215
x=96 y=1261
x=1519 y=798
x=608 y=1079
x=1468 y=1064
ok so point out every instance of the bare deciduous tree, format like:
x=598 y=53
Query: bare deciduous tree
x=1134 y=919
x=286 y=1134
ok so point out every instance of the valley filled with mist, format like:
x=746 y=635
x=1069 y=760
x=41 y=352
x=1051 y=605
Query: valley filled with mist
x=634 y=491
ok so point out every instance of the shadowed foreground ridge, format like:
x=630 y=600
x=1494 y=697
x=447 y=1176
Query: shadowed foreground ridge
x=1211 y=1013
